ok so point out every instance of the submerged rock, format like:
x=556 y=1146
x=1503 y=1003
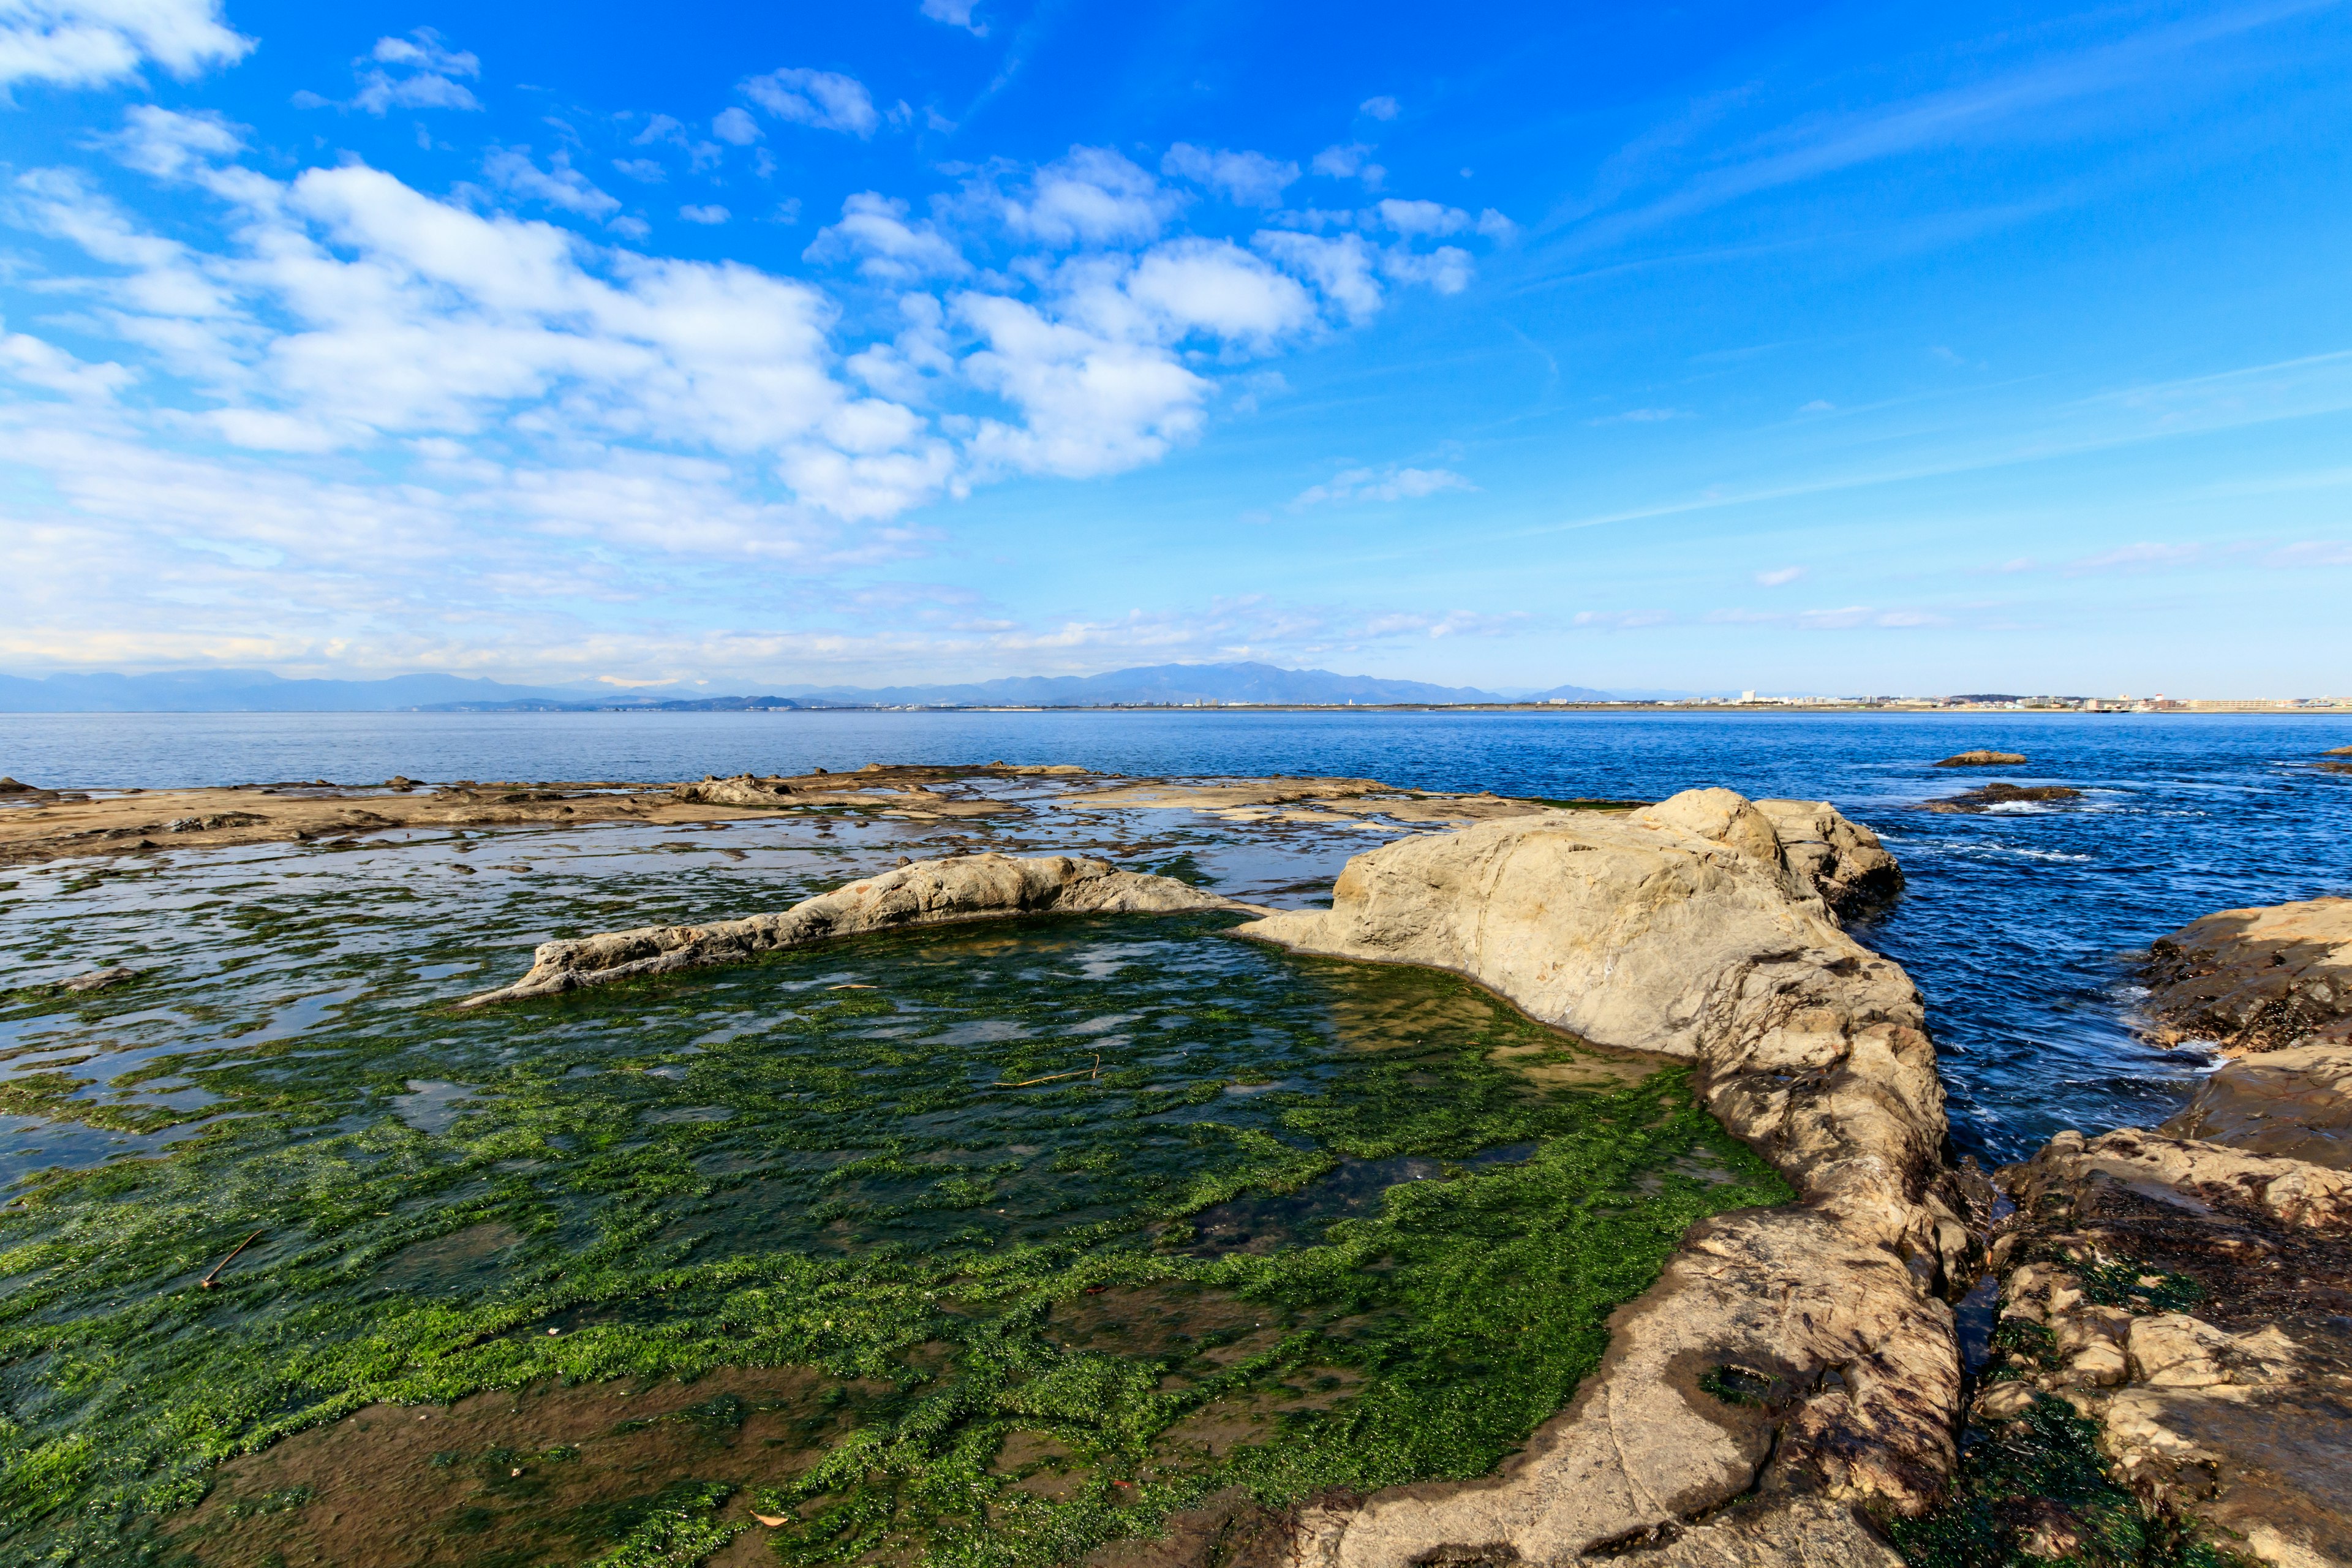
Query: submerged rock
x=1687 y=928
x=1992 y=794
x=929 y=892
x=100 y=979
x=2256 y=979
x=1983 y=759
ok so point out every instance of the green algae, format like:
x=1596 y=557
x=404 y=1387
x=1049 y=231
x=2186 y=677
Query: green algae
x=2039 y=1480
x=1269 y=1244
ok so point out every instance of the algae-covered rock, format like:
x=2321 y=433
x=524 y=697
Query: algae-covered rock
x=929 y=892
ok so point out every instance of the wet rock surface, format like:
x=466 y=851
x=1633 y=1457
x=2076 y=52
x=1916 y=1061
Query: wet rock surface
x=927 y=892
x=2296 y=1103
x=2256 y=979
x=1798 y=1353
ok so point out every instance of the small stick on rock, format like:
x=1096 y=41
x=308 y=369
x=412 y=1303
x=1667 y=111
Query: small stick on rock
x=207 y=1282
x=1092 y=1073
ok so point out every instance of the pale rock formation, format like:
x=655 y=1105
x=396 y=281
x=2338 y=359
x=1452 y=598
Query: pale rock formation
x=929 y=892
x=1841 y=860
x=1686 y=928
x=1983 y=759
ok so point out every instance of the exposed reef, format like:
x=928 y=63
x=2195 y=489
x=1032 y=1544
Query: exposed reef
x=2183 y=1291
x=1983 y=759
x=929 y=892
x=1805 y=1355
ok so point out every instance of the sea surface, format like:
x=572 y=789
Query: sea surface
x=2020 y=924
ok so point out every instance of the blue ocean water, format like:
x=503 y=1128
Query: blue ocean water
x=2019 y=924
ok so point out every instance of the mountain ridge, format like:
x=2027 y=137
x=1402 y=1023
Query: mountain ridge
x=260 y=691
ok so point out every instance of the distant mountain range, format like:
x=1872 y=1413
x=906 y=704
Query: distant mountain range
x=258 y=691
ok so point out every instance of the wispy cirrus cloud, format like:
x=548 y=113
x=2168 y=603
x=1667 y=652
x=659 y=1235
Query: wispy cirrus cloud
x=1391 y=483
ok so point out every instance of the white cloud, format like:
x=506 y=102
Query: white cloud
x=643 y=169
x=1091 y=196
x=1642 y=416
x=825 y=99
x=1780 y=577
x=1448 y=269
x=84 y=43
x=873 y=229
x=734 y=125
x=427 y=79
x=1091 y=404
x=706 y=212
x=660 y=127
x=1381 y=108
x=165 y=145
x=1495 y=227
x=1215 y=287
x=1250 y=179
x=1341 y=269
x=1388 y=484
x=559 y=185
x=1350 y=160
x=38 y=363
x=1417 y=218
x=955 y=14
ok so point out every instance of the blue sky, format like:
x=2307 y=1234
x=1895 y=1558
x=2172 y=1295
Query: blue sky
x=1818 y=348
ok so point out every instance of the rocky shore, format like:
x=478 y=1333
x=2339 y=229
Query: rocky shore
x=2187 y=1291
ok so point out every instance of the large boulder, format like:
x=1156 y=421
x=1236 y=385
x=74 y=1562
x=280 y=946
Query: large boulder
x=2257 y=979
x=929 y=892
x=1839 y=860
x=1687 y=928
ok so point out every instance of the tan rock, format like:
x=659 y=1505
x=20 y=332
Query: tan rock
x=929 y=892
x=2183 y=1170
x=2257 y=979
x=1841 y=860
x=2295 y=1103
x=1983 y=759
x=1683 y=928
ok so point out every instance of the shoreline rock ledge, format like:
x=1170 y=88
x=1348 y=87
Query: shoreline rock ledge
x=1698 y=929
x=929 y=892
x=2185 y=1290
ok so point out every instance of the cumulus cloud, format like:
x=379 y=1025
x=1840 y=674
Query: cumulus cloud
x=955 y=14
x=1249 y=179
x=1388 y=484
x=416 y=72
x=873 y=229
x=642 y=169
x=166 y=144
x=824 y=99
x=706 y=212
x=1091 y=196
x=1447 y=269
x=1341 y=269
x=1350 y=160
x=86 y=43
x=559 y=185
x=733 y=125
x=1421 y=217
